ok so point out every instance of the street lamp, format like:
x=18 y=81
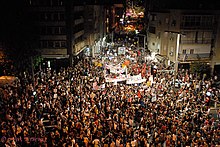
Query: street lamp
x=177 y=51
x=177 y=48
x=176 y=57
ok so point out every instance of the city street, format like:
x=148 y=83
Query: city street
x=109 y=74
x=81 y=106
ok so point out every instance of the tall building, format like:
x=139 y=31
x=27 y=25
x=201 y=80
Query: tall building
x=184 y=35
x=95 y=28
x=50 y=21
x=215 y=54
x=64 y=27
x=59 y=29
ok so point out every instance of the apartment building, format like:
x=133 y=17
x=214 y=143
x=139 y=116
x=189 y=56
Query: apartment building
x=50 y=21
x=95 y=28
x=183 y=35
x=65 y=28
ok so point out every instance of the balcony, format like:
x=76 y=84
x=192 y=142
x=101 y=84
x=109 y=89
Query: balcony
x=79 y=21
x=79 y=47
x=78 y=34
x=197 y=42
x=194 y=57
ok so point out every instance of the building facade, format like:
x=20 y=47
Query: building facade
x=216 y=50
x=50 y=22
x=95 y=28
x=66 y=28
x=184 y=35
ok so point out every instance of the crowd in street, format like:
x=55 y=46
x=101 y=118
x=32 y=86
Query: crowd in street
x=155 y=114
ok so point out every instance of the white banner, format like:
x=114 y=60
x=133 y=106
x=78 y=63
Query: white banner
x=135 y=79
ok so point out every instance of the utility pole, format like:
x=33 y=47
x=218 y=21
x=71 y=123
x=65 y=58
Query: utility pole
x=176 y=63
x=176 y=57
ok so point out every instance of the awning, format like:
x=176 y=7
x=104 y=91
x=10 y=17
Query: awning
x=160 y=57
x=80 y=51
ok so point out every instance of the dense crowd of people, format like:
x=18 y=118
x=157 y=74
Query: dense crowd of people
x=62 y=108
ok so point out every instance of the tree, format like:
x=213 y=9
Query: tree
x=19 y=33
x=199 y=69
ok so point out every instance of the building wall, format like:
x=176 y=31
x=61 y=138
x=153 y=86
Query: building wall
x=161 y=39
x=61 y=27
x=50 y=20
x=196 y=30
x=77 y=24
x=216 y=49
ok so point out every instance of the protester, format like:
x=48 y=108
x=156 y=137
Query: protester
x=64 y=109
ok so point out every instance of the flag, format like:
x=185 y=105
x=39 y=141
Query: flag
x=139 y=94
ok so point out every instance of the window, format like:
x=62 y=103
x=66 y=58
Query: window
x=62 y=16
x=49 y=31
x=195 y=21
x=191 y=51
x=63 y=44
x=184 y=51
x=56 y=30
x=62 y=30
x=159 y=22
x=43 y=30
x=173 y=23
x=152 y=29
x=50 y=44
x=47 y=17
x=43 y=44
x=61 y=2
x=167 y=20
x=207 y=21
x=56 y=16
x=154 y=17
x=55 y=2
x=158 y=35
x=42 y=16
x=57 y=44
x=196 y=37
